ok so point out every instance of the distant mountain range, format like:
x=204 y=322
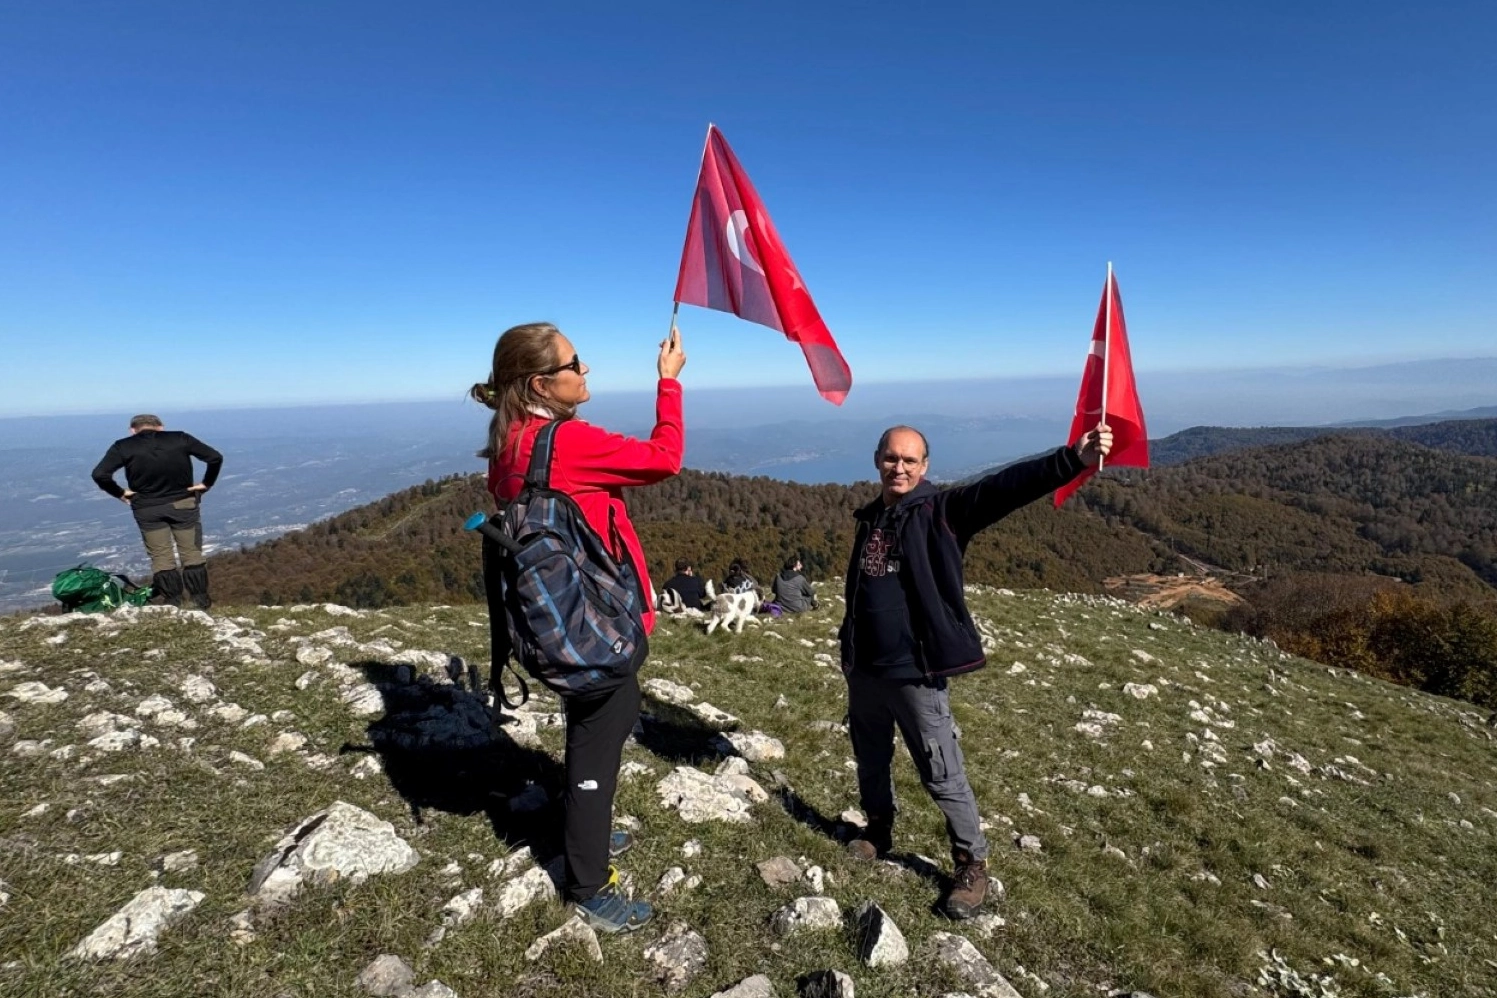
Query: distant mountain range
x=1472 y=432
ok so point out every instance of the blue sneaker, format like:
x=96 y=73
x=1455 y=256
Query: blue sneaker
x=610 y=911
x=619 y=843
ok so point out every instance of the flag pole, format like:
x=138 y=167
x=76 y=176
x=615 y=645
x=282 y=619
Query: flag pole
x=1106 y=354
x=706 y=142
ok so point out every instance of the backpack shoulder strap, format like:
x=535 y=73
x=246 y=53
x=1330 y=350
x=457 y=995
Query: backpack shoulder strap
x=538 y=475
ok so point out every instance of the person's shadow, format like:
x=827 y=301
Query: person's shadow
x=441 y=752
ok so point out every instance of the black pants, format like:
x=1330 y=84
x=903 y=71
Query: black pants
x=597 y=728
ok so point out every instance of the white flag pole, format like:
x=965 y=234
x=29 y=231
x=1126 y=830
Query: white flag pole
x=1106 y=352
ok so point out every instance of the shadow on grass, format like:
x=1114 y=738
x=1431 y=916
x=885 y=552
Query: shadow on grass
x=441 y=753
x=677 y=735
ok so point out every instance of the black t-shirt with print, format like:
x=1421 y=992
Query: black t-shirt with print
x=883 y=642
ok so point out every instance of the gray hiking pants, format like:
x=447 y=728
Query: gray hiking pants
x=921 y=709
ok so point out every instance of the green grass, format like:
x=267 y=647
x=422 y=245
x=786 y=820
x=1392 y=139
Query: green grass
x=1378 y=867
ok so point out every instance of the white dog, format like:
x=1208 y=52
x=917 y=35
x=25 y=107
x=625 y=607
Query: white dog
x=729 y=609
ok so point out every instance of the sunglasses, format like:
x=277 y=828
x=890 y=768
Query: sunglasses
x=574 y=365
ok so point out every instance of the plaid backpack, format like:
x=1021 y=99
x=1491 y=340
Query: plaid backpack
x=558 y=600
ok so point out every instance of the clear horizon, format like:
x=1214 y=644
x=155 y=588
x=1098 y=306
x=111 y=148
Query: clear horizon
x=299 y=205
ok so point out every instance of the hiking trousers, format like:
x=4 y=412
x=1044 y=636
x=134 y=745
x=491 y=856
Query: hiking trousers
x=921 y=710
x=597 y=727
x=172 y=524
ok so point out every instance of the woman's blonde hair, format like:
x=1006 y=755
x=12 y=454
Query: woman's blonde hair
x=521 y=353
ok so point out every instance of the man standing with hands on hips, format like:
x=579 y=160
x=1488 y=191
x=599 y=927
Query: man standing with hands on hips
x=907 y=628
x=164 y=496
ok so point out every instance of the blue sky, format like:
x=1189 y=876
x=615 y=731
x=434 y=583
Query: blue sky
x=239 y=204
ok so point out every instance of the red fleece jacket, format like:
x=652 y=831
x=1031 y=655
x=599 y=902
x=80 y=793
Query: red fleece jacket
x=593 y=466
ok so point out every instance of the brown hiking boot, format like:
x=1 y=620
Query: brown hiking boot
x=875 y=842
x=969 y=888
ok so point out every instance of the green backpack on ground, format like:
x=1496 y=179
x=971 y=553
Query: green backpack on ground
x=93 y=590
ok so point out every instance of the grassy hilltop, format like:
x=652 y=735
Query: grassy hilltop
x=1235 y=822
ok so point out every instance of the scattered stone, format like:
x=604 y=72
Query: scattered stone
x=313 y=655
x=1140 y=691
x=779 y=871
x=1144 y=656
x=534 y=884
x=364 y=700
x=677 y=957
x=670 y=880
x=198 y=689
x=970 y=966
x=879 y=941
x=668 y=692
x=343 y=841
x=755 y=746
x=804 y=914
x=691 y=848
x=34 y=692
x=286 y=741
x=178 y=862
x=366 y=767
x=699 y=797
x=757 y=986
x=387 y=976
x=573 y=932
x=246 y=760
x=229 y=713
x=134 y=929
x=1030 y=843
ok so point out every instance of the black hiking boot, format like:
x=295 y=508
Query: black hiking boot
x=195 y=581
x=166 y=588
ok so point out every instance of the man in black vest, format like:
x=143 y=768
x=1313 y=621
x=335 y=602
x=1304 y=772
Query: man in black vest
x=907 y=628
x=165 y=498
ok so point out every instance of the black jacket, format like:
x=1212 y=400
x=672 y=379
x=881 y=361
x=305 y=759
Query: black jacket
x=158 y=466
x=932 y=527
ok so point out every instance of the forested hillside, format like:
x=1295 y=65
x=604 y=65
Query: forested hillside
x=1352 y=503
x=1348 y=503
x=1476 y=437
x=410 y=547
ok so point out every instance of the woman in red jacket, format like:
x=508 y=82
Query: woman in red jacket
x=537 y=377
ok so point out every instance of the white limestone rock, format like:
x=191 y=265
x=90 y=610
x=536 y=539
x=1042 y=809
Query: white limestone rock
x=133 y=930
x=677 y=957
x=879 y=941
x=342 y=841
x=755 y=746
x=387 y=976
x=198 y=689
x=757 y=986
x=970 y=966
x=535 y=884
x=35 y=692
x=806 y=914
x=699 y=797
x=573 y=932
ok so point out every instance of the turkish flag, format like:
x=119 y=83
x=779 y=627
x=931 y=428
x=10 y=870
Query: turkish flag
x=1109 y=375
x=733 y=261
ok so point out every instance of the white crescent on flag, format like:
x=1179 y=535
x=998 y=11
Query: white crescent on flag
x=735 y=231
